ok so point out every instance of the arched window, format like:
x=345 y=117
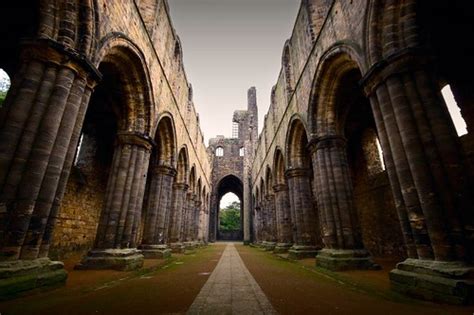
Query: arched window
x=242 y=151
x=380 y=151
x=4 y=85
x=454 y=111
x=220 y=151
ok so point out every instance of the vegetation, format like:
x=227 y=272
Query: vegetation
x=3 y=94
x=230 y=217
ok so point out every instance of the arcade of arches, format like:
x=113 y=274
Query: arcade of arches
x=102 y=155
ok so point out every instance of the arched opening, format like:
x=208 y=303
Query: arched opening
x=373 y=202
x=354 y=187
x=5 y=83
x=454 y=110
x=229 y=217
x=219 y=151
x=115 y=110
x=453 y=59
x=229 y=190
x=158 y=192
x=299 y=174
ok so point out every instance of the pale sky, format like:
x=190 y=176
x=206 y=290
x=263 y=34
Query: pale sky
x=229 y=46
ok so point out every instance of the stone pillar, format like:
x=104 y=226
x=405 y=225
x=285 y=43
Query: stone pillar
x=188 y=222
x=283 y=219
x=258 y=225
x=428 y=176
x=158 y=209
x=270 y=223
x=39 y=131
x=176 y=219
x=339 y=222
x=306 y=238
x=197 y=220
x=116 y=241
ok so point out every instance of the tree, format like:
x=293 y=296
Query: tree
x=230 y=217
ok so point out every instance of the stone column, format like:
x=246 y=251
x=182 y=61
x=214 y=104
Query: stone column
x=158 y=209
x=428 y=173
x=197 y=220
x=339 y=223
x=116 y=241
x=39 y=131
x=188 y=222
x=258 y=225
x=283 y=219
x=306 y=236
x=176 y=218
x=270 y=222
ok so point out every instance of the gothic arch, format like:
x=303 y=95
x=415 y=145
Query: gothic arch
x=296 y=143
x=336 y=63
x=165 y=139
x=279 y=167
x=182 y=166
x=126 y=64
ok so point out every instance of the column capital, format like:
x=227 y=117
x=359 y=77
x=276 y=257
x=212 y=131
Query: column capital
x=135 y=138
x=181 y=186
x=52 y=52
x=326 y=141
x=280 y=187
x=408 y=59
x=164 y=170
x=297 y=172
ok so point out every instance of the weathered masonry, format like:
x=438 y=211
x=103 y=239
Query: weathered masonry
x=101 y=152
x=357 y=76
x=231 y=161
x=100 y=146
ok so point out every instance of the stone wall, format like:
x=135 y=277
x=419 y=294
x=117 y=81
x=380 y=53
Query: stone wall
x=146 y=27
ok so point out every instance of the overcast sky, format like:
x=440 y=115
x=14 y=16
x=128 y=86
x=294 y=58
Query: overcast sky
x=229 y=46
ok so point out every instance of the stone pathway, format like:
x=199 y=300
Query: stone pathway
x=231 y=289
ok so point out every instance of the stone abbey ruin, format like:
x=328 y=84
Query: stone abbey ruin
x=102 y=155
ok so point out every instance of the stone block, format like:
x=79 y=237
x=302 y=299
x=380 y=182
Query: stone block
x=155 y=251
x=177 y=248
x=345 y=259
x=116 y=259
x=446 y=282
x=282 y=248
x=21 y=276
x=297 y=252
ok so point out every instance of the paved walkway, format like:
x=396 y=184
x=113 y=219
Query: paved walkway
x=231 y=289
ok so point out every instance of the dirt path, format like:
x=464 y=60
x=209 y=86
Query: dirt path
x=294 y=288
x=169 y=289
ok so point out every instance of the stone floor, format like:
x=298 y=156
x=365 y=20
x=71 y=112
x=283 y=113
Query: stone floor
x=231 y=289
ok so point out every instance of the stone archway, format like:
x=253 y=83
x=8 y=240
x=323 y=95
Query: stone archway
x=232 y=184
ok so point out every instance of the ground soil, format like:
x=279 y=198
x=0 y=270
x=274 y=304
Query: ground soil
x=162 y=287
x=300 y=288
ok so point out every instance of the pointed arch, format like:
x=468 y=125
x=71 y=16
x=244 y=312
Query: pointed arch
x=165 y=139
x=182 y=166
x=279 y=167
x=296 y=144
x=120 y=60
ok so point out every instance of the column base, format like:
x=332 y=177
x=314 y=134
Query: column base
x=446 y=282
x=190 y=245
x=117 y=259
x=177 y=248
x=345 y=259
x=282 y=248
x=155 y=251
x=269 y=246
x=297 y=252
x=18 y=277
x=246 y=243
